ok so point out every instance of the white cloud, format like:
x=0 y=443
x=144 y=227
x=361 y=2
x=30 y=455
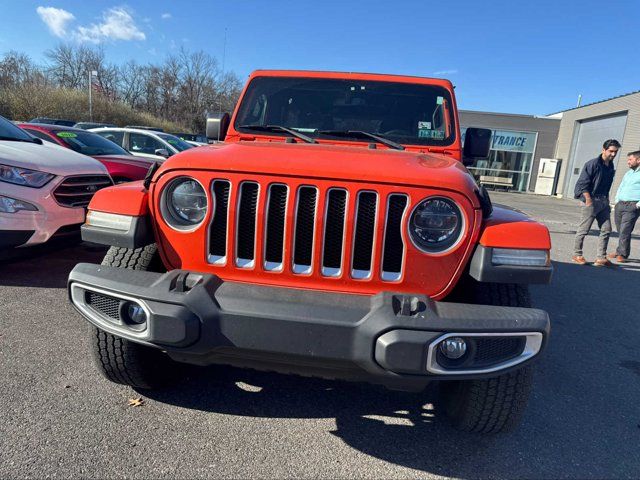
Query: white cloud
x=445 y=72
x=165 y=16
x=117 y=24
x=56 y=19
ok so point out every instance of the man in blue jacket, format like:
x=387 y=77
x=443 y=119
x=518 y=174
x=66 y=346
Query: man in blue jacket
x=592 y=188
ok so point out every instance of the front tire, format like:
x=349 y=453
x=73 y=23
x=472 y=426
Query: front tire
x=123 y=361
x=492 y=405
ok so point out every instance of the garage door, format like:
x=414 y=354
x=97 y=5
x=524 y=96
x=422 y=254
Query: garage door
x=588 y=138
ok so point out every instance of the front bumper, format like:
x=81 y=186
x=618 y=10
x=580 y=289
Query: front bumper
x=390 y=339
x=44 y=223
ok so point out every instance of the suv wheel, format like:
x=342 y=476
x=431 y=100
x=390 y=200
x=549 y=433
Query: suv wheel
x=496 y=404
x=121 y=360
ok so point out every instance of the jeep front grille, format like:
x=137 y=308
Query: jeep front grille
x=320 y=229
x=77 y=191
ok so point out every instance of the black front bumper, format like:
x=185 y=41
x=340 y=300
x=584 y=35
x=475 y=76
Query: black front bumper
x=386 y=338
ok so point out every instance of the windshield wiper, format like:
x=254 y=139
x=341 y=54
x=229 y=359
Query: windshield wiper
x=361 y=133
x=14 y=139
x=278 y=128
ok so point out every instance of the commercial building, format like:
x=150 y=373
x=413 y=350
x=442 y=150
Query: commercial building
x=584 y=129
x=517 y=145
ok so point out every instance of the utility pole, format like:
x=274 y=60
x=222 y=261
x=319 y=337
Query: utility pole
x=92 y=73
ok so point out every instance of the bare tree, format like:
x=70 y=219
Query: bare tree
x=17 y=69
x=131 y=83
x=181 y=89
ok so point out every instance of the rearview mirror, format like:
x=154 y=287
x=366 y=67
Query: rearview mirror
x=217 y=125
x=477 y=144
x=163 y=152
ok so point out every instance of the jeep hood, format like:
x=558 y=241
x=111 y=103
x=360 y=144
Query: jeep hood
x=324 y=161
x=48 y=158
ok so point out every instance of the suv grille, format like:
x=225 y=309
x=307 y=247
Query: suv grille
x=77 y=191
x=331 y=230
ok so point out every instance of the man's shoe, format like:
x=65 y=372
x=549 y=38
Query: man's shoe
x=617 y=258
x=579 y=259
x=602 y=262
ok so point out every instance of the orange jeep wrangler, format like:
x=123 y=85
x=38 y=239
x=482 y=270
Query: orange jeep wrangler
x=335 y=233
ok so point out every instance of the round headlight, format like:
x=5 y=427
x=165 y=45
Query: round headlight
x=185 y=203
x=435 y=225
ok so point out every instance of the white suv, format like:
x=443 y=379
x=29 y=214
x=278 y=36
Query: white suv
x=145 y=143
x=44 y=188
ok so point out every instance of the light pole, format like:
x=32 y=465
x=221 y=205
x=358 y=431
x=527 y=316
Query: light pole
x=92 y=73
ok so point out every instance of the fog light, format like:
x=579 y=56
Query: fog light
x=453 y=348
x=136 y=314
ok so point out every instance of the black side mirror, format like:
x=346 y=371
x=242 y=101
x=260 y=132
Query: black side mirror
x=163 y=152
x=217 y=126
x=477 y=144
x=37 y=140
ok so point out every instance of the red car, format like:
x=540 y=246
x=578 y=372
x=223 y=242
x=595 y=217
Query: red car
x=122 y=166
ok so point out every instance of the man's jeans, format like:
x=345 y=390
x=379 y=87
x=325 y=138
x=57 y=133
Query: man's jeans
x=625 y=215
x=600 y=211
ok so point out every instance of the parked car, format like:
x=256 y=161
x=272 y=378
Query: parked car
x=121 y=165
x=145 y=127
x=335 y=233
x=196 y=144
x=144 y=143
x=192 y=137
x=44 y=188
x=53 y=121
x=88 y=125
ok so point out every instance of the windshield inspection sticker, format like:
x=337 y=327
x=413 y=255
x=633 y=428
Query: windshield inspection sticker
x=67 y=134
x=435 y=134
x=439 y=100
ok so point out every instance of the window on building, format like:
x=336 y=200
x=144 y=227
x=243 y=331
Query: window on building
x=509 y=162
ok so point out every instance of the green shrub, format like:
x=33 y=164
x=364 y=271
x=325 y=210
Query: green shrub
x=29 y=101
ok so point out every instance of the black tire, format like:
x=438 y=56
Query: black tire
x=121 y=360
x=144 y=258
x=493 y=405
x=130 y=363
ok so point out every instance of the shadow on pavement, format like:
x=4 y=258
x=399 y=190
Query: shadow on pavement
x=47 y=265
x=589 y=366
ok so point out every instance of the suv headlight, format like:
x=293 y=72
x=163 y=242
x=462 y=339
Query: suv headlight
x=184 y=203
x=24 y=176
x=436 y=225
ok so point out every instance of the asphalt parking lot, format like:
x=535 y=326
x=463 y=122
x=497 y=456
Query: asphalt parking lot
x=59 y=418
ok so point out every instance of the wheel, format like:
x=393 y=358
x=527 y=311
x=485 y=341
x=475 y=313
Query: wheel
x=121 y=360
x=492 y=405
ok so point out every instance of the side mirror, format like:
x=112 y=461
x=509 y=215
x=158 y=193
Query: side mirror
x=477 y=144
x=217 y=126
x=37 y=140
x=163 y=152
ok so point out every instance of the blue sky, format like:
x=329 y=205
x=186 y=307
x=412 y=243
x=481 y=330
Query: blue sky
x=504 y=56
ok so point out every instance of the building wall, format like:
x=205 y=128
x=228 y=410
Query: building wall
x=547 y=129
x=631 y=141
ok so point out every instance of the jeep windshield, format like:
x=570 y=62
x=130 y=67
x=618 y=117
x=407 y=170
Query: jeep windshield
x=405 y=113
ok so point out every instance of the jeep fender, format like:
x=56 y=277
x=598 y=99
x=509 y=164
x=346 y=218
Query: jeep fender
x=508 y=228
x=118 y=216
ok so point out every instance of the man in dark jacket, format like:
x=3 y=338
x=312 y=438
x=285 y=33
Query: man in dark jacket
x=593 y=188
